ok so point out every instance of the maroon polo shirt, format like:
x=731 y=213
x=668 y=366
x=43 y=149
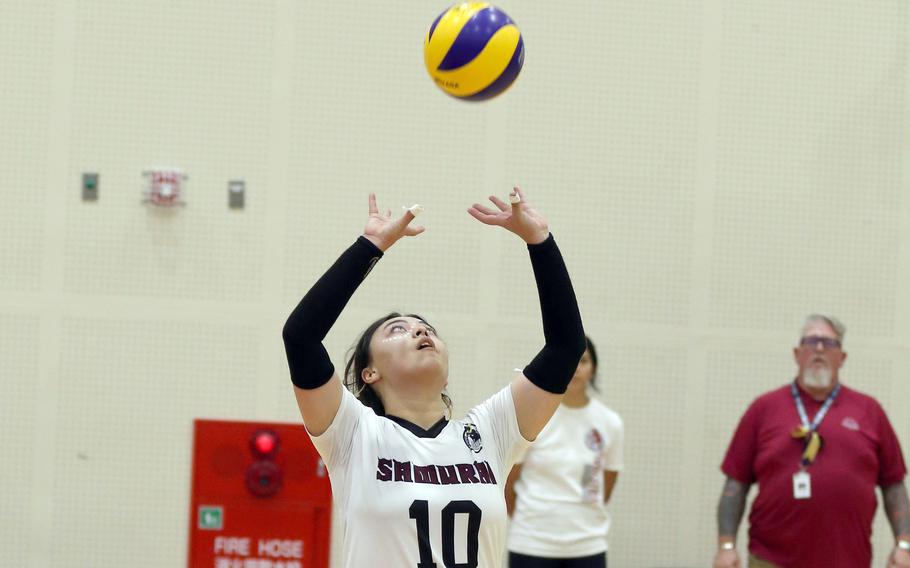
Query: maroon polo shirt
x=833 y=528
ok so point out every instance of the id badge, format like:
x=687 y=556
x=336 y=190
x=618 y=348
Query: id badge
x=802 y=485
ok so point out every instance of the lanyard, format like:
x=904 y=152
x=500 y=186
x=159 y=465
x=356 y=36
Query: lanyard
x=808 y=430
x=813 y=426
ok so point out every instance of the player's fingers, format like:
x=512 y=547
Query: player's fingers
x=373 y=209
x=499 y=203
x=482 y=209
x=408 y=216
x=487 y=218
x=516 y=197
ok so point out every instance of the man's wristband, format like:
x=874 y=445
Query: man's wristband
x=728 y=546
x=904 y=545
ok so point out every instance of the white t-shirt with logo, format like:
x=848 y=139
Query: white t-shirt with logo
x=409 y=501
x=559 y=508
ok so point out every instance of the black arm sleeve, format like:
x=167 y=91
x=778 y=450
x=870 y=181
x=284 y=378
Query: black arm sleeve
x=311 y=320
x=564 y=335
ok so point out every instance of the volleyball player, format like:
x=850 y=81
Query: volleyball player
x=558 y=494
x=414 y=488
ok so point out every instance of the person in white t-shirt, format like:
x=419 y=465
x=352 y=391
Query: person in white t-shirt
x=557 y=496
x=415 y=489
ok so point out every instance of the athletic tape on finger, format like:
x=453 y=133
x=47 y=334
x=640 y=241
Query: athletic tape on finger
x=415 y=209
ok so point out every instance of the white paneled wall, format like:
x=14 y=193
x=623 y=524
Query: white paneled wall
x=713 y=171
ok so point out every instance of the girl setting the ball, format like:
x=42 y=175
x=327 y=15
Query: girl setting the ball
x=414 y=488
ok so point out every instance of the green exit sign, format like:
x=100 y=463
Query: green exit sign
x=211 y=518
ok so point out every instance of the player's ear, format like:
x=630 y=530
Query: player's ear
x=370 y=375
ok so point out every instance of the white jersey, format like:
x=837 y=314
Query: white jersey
x=559 y=506
x=412 y=502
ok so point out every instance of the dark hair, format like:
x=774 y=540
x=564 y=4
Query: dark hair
x=590 y=347
x=359 y=358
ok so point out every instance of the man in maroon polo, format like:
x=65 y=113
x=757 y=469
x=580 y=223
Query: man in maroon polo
x=817 y=450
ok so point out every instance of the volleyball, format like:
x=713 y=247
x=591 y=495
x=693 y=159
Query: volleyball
x=473 y=51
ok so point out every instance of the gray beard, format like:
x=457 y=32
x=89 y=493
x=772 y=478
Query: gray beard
x=817 y=379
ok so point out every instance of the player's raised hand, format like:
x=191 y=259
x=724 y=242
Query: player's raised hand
x=383 y=231
x=519 y=217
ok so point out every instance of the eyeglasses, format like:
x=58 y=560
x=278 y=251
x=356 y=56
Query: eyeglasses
x=813 y=341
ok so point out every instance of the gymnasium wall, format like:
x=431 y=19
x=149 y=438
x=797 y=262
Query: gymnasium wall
x=713 y=171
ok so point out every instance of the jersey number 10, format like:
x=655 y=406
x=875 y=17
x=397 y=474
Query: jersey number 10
x=420 y=512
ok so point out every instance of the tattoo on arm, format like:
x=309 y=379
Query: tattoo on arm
x=731 y=507
x=897 y=507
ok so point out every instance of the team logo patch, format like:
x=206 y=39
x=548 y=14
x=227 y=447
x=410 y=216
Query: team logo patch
x=594 y=440
x=472 y=438
x=850 y=423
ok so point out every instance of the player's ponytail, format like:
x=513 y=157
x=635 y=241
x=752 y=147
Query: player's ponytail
x=593 y=351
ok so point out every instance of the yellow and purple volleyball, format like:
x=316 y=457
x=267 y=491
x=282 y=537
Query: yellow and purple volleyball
x=473 y=51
